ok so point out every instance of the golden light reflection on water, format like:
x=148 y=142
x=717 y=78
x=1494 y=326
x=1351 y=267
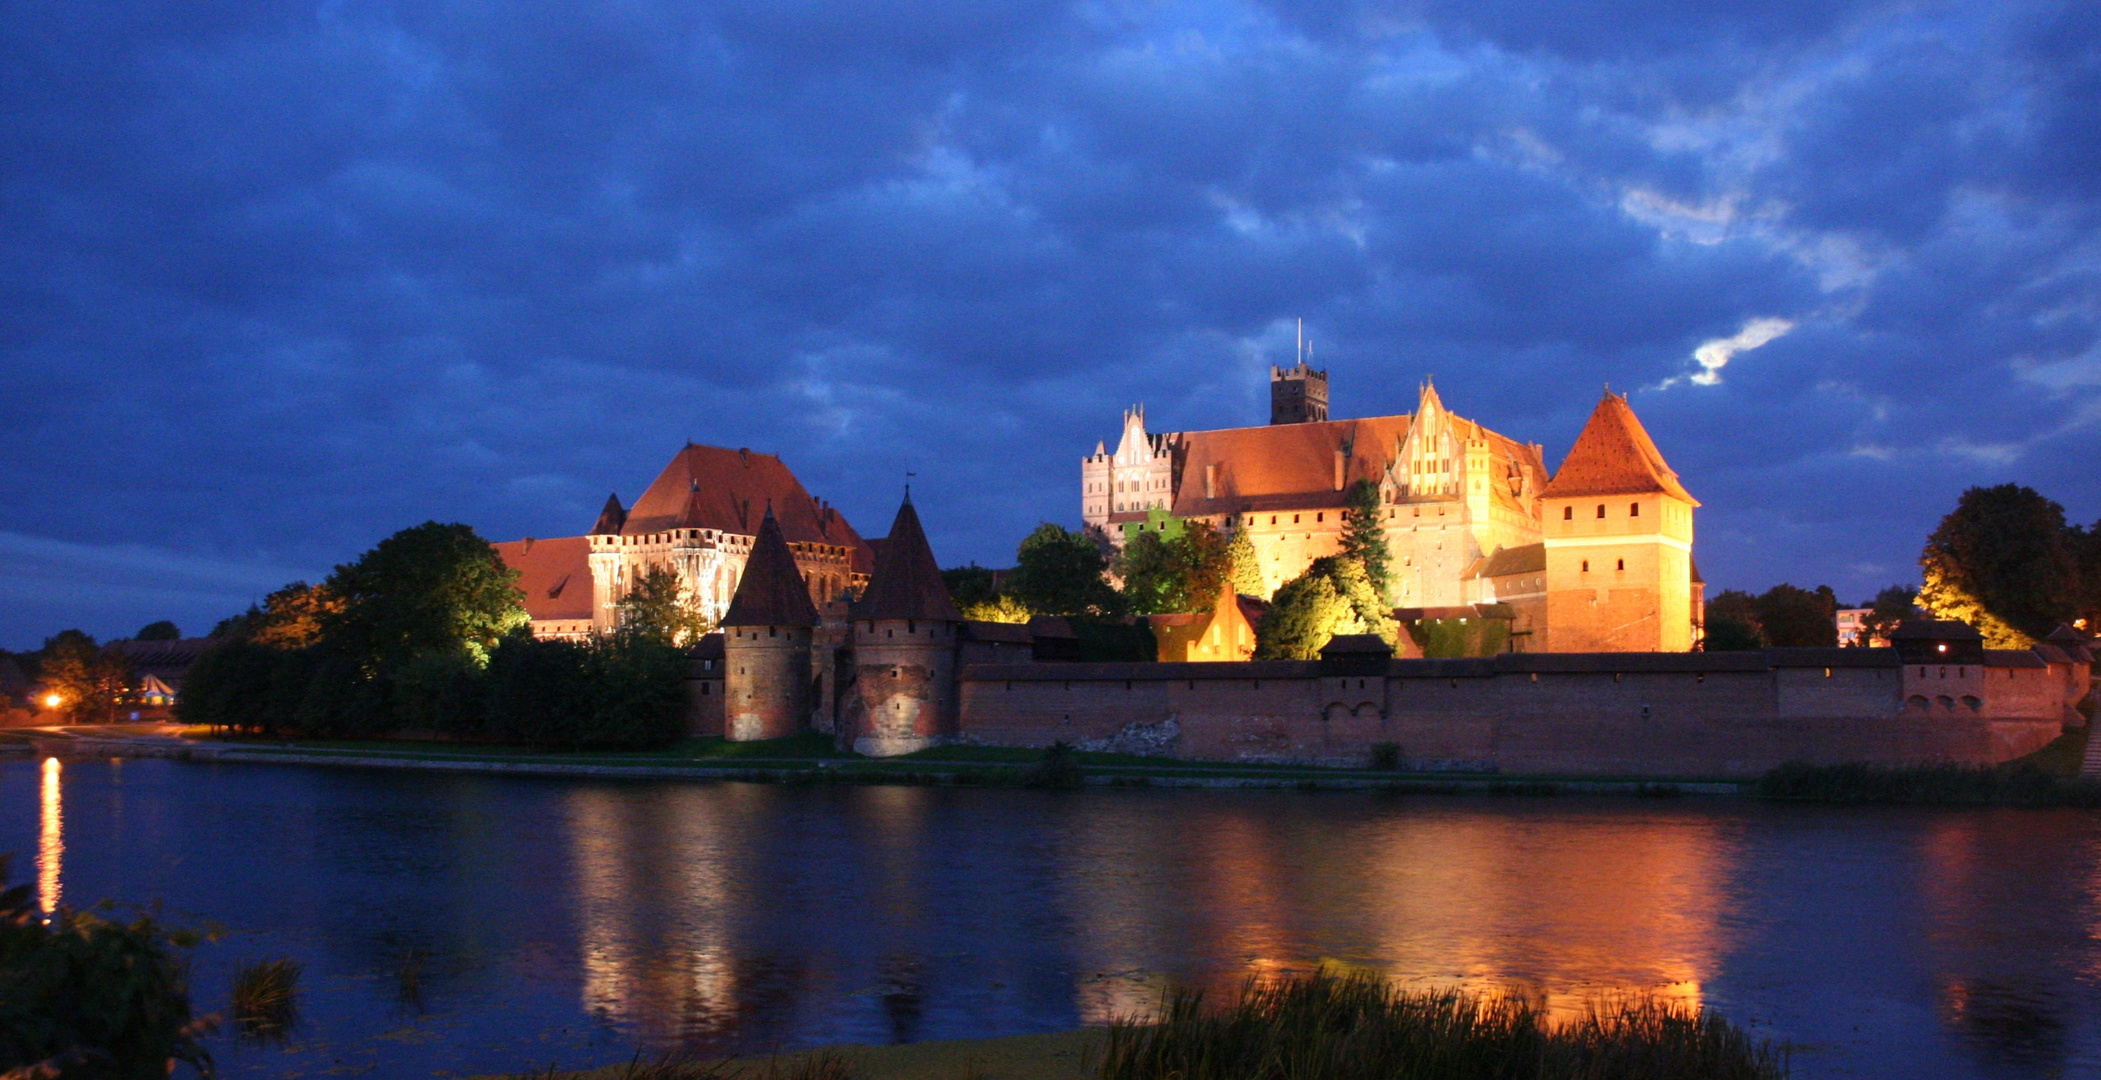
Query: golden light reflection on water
x=51 y=840
x=652 y=899
x=1562 y=912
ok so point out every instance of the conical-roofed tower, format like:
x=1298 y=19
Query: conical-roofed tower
x=1618 y=533
x=766 y=643
x=904 y=633
x=604 y=561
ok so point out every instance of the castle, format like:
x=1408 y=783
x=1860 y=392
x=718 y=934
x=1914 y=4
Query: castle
x=899 y=669
x=1595 y=558
x=699 y=520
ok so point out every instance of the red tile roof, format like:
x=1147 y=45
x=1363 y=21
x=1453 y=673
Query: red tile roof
x=1277 y=466
x=907 y=582
x=555 y=574
x=771 y=592
x=1614 y=456
x=713 y=487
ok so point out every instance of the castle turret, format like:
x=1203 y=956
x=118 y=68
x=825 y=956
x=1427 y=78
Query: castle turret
x=1297 y=395
x=1618 y=533
x=904 y=634
x=766 y=643
x=604 y=561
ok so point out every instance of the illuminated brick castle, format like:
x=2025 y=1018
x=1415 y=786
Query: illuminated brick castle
x=1595 y=558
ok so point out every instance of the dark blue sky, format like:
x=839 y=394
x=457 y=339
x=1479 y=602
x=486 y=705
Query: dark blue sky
x=277 y=280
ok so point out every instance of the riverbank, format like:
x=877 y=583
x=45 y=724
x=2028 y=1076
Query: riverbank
x=2048 y=777
x=811 y=759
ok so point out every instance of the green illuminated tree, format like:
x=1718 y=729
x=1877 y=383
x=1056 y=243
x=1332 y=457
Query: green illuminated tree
x=1247 y=570
x=1059 y=572
x=2003 y=562
x=433 y=587
x=1332 y=597
x=1363 y=537
x=654 y=610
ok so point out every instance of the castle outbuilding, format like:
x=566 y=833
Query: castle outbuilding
x=766 y=643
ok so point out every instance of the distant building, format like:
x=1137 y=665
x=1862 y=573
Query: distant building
x=1597 y=557
x=1853 y=622
x=698 y=519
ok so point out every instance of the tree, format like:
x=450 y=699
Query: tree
x=1793 y=617
x=1732 y=623
x=1246 y=572
x=158 y=631
x=1332 y=597
x=1363 y=537
x=290 y=618
x=1181 y=571
x=655 y=610
x=87 y=679
x=2003 y=562
x=999 y=609
x=1891 y=606
x=433 y=587
x=1152 y=574
x=1059 y=572
x=970 y=585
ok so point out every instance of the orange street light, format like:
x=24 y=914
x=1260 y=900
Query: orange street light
x=52 y=701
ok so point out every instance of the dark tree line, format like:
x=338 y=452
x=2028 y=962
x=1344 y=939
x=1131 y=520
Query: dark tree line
x=427 y=633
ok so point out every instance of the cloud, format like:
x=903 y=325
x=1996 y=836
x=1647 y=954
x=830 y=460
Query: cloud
x=1714 y=355
x=279 y=284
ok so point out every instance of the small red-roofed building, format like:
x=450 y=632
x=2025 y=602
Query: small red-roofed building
x=1618 y=543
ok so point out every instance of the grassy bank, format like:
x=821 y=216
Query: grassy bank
x=1928 y=785
x=1316 y=1027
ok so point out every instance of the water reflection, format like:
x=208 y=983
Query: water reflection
x=578 y=922
x=51 y=840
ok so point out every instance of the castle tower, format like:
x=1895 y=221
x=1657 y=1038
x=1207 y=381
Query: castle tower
x=766 y=643
x=1297 y=395
x=904 y=634
x=605 y=563
x=1618 y=532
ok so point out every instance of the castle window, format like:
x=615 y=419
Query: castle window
x=1633 y=509
x=1568 y=513
x=1622 y=565
x=1586 y=566
x=1320 y=518
x=1272 y=519
x=1294 y=519
x=1601 y=511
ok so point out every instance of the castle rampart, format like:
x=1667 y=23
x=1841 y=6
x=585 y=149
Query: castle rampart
x=1658 y=714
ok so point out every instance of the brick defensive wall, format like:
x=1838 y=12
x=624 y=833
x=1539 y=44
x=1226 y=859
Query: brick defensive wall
x=1604 y=714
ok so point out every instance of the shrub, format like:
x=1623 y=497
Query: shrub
x=1058 y=768
x=91 y=998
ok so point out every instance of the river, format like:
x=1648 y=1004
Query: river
x=579 y=922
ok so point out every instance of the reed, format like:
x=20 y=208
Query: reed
x=1352 y=1027
x=266 y=998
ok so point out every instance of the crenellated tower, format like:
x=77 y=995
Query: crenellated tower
x=605 y=563
x=1297 y=395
